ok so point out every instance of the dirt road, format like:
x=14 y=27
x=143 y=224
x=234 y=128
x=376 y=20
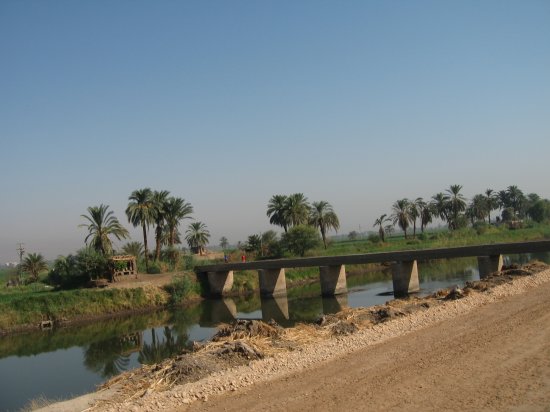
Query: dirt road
x=496 y=357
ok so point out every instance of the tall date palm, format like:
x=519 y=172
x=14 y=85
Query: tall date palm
x=141 y=212
x=322 y=215
x=102 y=224
x=401 y=214
x=175 y=210
x=277 y=211
x=159 y=199
x=197 y=236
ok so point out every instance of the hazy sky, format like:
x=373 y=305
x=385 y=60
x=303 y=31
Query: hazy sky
x=226 y=103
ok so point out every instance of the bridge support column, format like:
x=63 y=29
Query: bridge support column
x=220 y=282
x=489 y=264
x=272 y=282
x=333 y=280
x=405 y=278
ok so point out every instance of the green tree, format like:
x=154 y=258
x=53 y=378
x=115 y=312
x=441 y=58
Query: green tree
x=491 y=200
x=299 y=239
x=133 y=248
x=159 y=199
x=224 y=243
x=516 y=200
x=102 y=224
x=254 y=244
x=197 y=236
x=539 y=211
x=379 y=222
x=457 y=204
x=322 y=216
x=277 y=211
x=401 y=215
x=297 y=209
x=176 y=210
x=479 y=208
x=34 y=264
x=141 y=212
x=425 y=212
x=440 y=206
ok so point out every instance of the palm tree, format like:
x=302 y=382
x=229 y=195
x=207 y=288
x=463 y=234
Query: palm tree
x=401 y=214
x=440 y=206
x=457 y=204
x=197 y=237
x=102 y=224
x=517 y=200
x=492 y=202
x=141 y=212
x=479 y=207
x=159 y=199
x=176 y=209
x=297 y=209
x=379 y=222
x=224 y=242
x=424 y=212
x=322 y=216
x=414 y=212
x=133 y=248
x=33 y=264
x=277 y=212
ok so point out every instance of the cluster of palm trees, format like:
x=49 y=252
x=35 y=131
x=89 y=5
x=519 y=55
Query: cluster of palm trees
x=294 y=210
x=453 y=208
x=146 y=208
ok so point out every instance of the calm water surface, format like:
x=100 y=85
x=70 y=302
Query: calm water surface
x=68 y=362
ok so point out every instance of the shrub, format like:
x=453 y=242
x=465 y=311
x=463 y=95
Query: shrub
x=154 y=269
x=300 y=239
x=180 y=288
x=374 y=238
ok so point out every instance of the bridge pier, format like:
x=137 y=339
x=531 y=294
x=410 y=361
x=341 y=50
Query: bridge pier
x=489 y=264
x=272 y=282
x=220 y=283
x=405 y=278
x=333 y=280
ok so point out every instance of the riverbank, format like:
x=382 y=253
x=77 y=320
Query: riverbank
x=257 y=357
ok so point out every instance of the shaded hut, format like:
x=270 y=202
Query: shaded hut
x=122 y=265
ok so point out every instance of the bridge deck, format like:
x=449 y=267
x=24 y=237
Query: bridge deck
x=401 y=256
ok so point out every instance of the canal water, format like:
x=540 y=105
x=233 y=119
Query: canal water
x=68 y=362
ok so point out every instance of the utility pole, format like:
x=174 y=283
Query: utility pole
x=21 y=250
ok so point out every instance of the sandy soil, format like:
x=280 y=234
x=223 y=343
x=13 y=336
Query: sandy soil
x=489 y=350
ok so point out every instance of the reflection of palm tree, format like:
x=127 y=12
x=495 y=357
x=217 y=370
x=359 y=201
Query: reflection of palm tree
x=159 y=350
x=105 y=357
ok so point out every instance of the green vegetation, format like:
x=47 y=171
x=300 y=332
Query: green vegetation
x=102 y=224
x=32 y=308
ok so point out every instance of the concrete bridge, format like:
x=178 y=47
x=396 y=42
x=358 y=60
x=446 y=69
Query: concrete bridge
x=332 y=270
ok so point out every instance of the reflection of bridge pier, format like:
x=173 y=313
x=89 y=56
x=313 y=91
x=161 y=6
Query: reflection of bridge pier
x=216 y=311
x=275 y=308
x=334 y=304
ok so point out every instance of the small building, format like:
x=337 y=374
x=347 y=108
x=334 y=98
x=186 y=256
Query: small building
x=122 y=265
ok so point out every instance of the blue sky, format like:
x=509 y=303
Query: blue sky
x=226 y=103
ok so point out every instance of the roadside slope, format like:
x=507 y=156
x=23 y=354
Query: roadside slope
x=496 y=357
